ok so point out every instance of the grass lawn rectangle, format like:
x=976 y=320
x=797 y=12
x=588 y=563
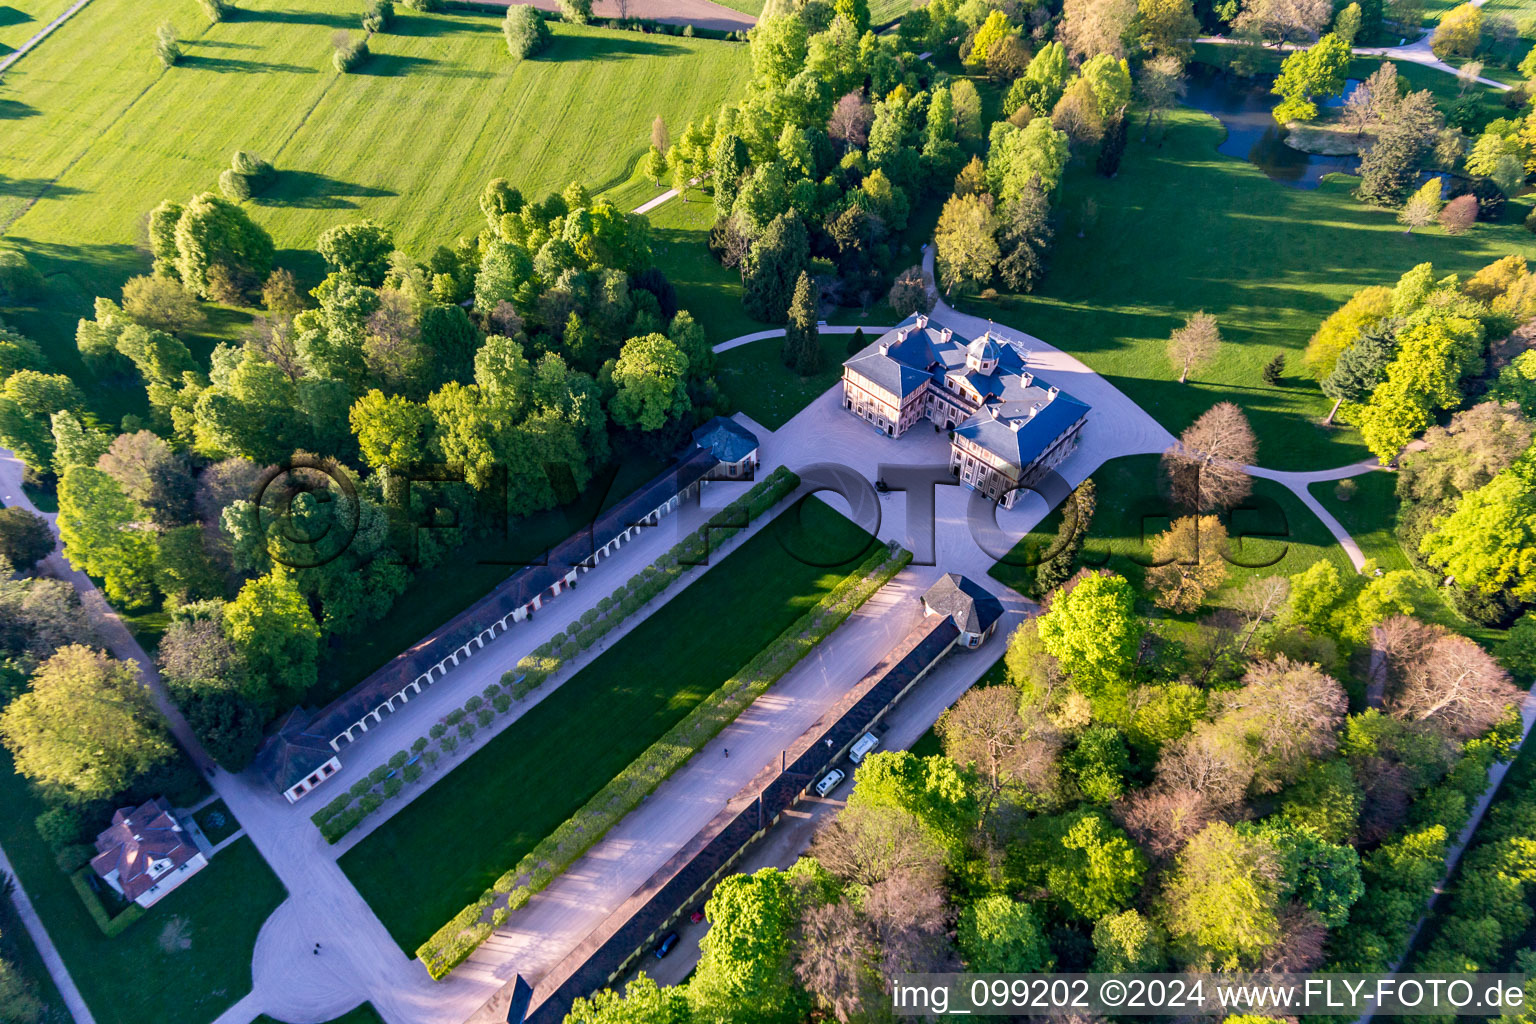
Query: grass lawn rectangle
x=185 y=962
x=94 y=144
x=480 y=820
x=1273 y=531
x=1182 y=228
x=217 y=821
x=20 y=20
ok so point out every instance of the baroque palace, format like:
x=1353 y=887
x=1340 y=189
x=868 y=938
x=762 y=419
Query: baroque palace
x=1007 y=427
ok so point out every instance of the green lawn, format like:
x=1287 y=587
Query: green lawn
x=1183 y=228
x=20 y=20
x=493 y=808
x=217 y=821
x=752 y=7
x=185 y=962
x=17 y=948
x=1370 y=515
x=1273 y=533
x=409 y=141
x=363 y=1014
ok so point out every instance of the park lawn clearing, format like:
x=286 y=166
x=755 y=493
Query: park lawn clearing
x=1370 y=516
x=93 y=145
x=20 y=20
x=496 y=806
x=1183 y=228
x=184 y=962
x=1273 y=533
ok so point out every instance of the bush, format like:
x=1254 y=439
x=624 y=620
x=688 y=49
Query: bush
x=424 y=6
x=450 y=743
x=397 y=760
x=431 y=758
x=19 y=280
x=61 y=826
x=466 y=728
x=377 y=775
x=217 y=10
x=485 y=717
x=525 y=31
x=502 y=703
x=412 y=772
x=349 y=52
x=379 y=15
x=359 y=787
x=370 y=803
x=1344 y=490
x=473 y=704
x=490 y=691
x=1530 y=221
x=167 y=47
x=436 y=732
x=393 y=785
x=419 y=745
x=74 y=856
x=455 y=716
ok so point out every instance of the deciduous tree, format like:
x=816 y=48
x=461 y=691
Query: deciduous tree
x=86 y=725
x=1195 y=344
x=1204 y=470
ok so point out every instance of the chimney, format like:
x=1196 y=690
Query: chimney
x=992 y=411
x=1050 y=395
x=945 y=335
x=901 y=335
x=1034 y=409
x=922 y=321
x=885 y=348
x=1029 y=379
x=1015 y=425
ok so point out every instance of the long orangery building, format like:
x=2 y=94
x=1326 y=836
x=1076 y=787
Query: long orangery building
x=1007 y=427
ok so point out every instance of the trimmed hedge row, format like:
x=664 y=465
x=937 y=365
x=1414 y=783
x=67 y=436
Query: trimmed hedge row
x=457 y=939
x=348 y=810
x=111 y=927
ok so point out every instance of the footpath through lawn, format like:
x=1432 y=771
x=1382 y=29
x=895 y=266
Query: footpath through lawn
x=184 y=962
x=443 y=849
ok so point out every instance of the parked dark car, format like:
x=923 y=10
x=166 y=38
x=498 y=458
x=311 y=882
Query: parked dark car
x=665 y=945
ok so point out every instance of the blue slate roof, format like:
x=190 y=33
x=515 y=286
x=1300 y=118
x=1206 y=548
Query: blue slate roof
x=727 y=439
x=918 y=355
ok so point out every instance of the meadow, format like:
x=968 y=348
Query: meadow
x=409 y=140
x=493 y=808
x=23 y=19
x=1182 y=228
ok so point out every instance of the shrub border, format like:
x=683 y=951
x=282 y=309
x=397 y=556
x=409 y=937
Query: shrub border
x=111 y=927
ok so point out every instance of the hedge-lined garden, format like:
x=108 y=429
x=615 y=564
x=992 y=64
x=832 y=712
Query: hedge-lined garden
x=405 y=767
x=456 y=940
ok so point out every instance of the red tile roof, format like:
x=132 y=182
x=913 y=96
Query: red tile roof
x=137 y=838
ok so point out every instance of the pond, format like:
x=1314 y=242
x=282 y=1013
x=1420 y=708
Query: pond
x=1243 y=107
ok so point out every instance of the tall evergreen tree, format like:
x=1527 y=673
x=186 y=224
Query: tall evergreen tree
x=1025 y=239
x=773 y=266
x=1361 y=366
x=802 y=341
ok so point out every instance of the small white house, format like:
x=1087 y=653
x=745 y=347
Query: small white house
x=975 y=611
x=145 y=853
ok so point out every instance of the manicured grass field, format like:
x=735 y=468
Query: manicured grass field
x=1183 y=228
x=409 y=140
x=20 y=20
x=16 y=946
x=185 y=962
x=1273 y=533
x=1369 y=515
x=493 y=808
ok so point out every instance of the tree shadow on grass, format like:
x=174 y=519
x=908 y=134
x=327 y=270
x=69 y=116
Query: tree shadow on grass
x=230 y=65
x=394 y=65
x=11 y=16
x=606 y=47
x=11 y=110
x=33 y=186
x=420 y=27
x=307 y=190
x=336 y=20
